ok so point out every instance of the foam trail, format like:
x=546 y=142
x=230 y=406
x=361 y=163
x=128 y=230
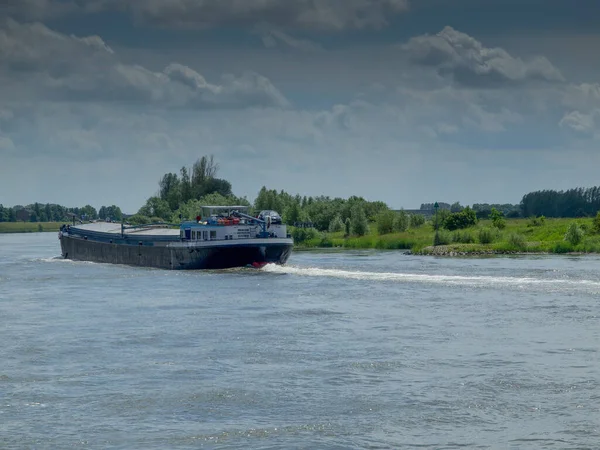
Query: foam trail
x=427 y=278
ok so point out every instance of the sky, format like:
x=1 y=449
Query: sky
x=403 y=101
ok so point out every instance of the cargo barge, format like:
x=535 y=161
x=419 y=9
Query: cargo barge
x=227 y=237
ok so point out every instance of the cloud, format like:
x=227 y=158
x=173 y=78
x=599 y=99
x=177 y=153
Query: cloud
x=582 y=97
x=35 y=9
x=47 y=64
x=35 y=47
x=471 y=64
x=6 y=144
x=324 y=15
x=272 y=38
x=249 y=89
x=6 y=114
x=584 y=124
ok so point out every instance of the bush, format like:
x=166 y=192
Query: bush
x=562 y=247
x=537 y=221
x=498 y=219
x=596 y=223
x=487 y=235
x=385 y=221
x=401 y=222
x=463 y=237
x=347 y=226
x=358 y=221
x=303 y=234
x=574 y=234
x=517 y=241
x=336 y=225
x=442 y=237
x=417 y=220
x=138 y=219
x=325 y=241
x=438 y=219
x=464 y=219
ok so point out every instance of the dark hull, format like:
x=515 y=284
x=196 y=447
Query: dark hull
x=179 y=258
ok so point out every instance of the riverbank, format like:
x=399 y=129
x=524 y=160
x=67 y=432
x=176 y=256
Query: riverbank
x=29 y=227
x=519 y=236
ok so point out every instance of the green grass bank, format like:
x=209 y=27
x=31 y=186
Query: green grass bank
x=518 y=236
x=29 y=227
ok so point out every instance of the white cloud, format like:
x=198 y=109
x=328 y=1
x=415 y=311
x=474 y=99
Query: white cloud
x=470 y=63
x=276 y=38
x=582 y=97
x=585 y=124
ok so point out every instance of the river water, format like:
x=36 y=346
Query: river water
x=337 y=350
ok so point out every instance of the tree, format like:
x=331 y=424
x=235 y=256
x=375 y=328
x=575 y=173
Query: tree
x=37 y=212
x=110 y=212
x=12 y=215
x=464 y=219
x=89 y=211
x=218 y=186
x=385 y=221
x=358 y=220
x=596 y=223
x=170 y=190
x=336 y=225
x=185 y=185
x=156 y=207
x=574 y=234
x=291 y=215
x=416 y=220
x=456 y=207
x=203 y=170
x=401 y=221
x=497 y=219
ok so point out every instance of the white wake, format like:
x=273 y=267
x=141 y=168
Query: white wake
x=426 y=278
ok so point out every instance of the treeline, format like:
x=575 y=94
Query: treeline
x=49 y=212
x=180 y=195
x=578 y=202
x=318 y=211
x=482 y=210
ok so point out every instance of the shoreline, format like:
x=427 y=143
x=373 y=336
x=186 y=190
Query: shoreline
x=447 y=253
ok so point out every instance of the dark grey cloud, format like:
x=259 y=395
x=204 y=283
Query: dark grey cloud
x=51 y=65
x=470 y=63
x=31 y=10
x=327 y=15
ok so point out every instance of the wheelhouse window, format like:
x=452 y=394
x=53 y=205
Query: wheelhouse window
x=213 y=234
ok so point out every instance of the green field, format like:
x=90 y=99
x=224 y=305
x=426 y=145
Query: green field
x=519 y=236
x=29 y=227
